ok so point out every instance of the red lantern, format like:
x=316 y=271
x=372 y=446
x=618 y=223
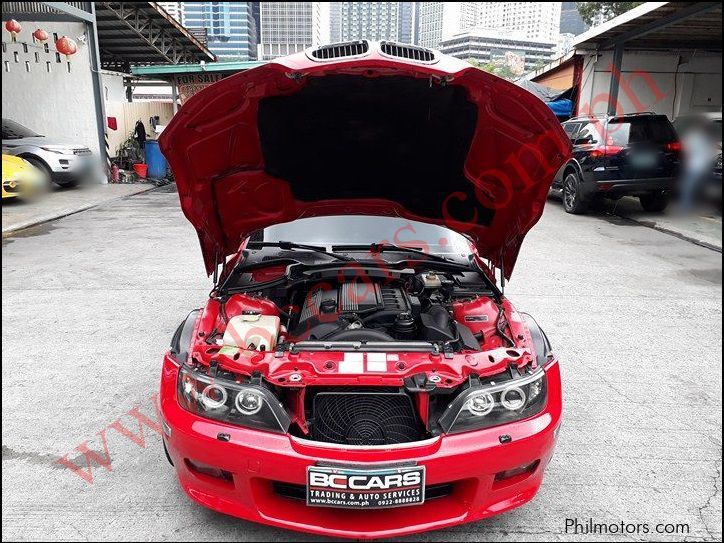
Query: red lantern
x=66 y=46
x=13 y=27
x=40 y=35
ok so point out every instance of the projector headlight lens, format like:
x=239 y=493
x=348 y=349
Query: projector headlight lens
x=481 y=404
x=249 y=402
x=513 y=398
x=214 y=397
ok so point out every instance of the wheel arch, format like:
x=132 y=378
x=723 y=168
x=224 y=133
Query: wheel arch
x=26 y=155
x=573 y=166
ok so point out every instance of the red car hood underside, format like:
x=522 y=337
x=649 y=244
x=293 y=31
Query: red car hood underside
x=443 y=143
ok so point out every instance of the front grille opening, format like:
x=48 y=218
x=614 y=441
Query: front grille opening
x=299 y=492
x=364 y=418
x=409 y=52
x=341 y=50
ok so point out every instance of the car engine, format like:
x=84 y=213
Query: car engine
x=454 y=310
x=416 y=309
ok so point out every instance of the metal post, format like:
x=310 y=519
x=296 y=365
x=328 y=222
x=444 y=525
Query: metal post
x=174 y=94
x=615 y=79
x=95 y=65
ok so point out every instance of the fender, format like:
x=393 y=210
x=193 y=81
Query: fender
x=540 y=339
x=558 y=179
x=181 y=340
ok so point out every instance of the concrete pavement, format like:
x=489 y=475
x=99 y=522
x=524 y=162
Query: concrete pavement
x=90 y=303
x=61 y=202
x=703 y=226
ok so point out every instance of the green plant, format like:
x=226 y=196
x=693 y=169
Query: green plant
x=608 y=10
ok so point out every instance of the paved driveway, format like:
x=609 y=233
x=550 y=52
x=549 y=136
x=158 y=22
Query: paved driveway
x=89 y=304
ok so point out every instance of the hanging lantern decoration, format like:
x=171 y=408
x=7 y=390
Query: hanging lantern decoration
x=13 y=27
x=40 y=35
x=66 y=46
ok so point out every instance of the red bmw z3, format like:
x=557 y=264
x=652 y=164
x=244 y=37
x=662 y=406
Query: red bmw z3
x=360 y=207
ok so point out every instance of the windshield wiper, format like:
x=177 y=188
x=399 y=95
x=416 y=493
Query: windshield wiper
x=389 y=247
x=291 y=246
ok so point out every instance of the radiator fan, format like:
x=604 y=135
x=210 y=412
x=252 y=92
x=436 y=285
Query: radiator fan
x=364 y=418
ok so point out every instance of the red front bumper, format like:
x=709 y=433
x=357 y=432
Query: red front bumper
x=259 y=461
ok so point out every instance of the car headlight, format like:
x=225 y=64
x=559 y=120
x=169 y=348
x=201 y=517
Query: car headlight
x=248 y=405
x=497 y=402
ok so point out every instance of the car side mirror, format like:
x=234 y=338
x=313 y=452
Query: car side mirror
x=582 y=141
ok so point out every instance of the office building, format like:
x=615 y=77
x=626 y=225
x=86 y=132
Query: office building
x=372 y=21
x=439 y=20
x=289 y=27
x=174 y=9
x=538 y=21
x=571 y=20
x=491 y=45
x=231 y=31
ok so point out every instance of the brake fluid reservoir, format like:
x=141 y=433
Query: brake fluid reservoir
x=252 y=331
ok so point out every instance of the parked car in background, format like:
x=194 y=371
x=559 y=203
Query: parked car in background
x=66 y=164
x=20 y=178
x=615 y=156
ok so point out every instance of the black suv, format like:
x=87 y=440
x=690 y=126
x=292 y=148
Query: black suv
x=627 y=155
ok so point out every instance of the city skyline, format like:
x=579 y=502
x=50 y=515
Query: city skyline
x=265 y=30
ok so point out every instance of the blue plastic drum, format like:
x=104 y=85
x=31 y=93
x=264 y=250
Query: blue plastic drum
x=157 y=165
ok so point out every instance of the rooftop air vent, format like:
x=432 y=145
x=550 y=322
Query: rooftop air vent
x=410 y=52
x=341 y=50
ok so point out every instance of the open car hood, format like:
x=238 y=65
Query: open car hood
x=387 y=130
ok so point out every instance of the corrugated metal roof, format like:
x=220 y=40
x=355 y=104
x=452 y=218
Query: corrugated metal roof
x=660 y=25
x=142 y=33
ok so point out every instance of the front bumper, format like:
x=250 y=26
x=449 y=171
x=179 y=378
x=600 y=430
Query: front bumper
x=258 y=463
x=26 y=184
x=11 y=189
x=67 y=168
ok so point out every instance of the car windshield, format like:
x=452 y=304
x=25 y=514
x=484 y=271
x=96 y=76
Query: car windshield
x=16 y=131
x=365 y=230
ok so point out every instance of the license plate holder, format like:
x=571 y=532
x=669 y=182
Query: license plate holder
x=644 y=160
x=365 y=488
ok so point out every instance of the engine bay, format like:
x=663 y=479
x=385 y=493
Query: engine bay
x=337 y=354
x=454 y=311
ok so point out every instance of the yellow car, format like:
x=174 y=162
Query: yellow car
x=20 y=177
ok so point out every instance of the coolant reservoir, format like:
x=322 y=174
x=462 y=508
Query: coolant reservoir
x=252 y=331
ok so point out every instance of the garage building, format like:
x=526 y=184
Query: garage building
x=663 y=57
x=110 y=36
